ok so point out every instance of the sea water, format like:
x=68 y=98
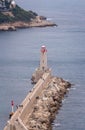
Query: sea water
x=20 y=55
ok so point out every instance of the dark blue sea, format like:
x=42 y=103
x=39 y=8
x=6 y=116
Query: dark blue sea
x=20 y=54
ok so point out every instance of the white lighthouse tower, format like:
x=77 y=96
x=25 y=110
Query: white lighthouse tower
x=43 y=67
x=43 y=59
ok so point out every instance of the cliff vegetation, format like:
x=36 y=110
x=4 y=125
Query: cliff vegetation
x=17 y=14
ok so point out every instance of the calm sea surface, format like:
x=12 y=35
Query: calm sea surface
x=19 y=56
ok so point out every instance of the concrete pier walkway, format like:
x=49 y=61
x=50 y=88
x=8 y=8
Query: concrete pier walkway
x=39 y=108
x=17 y=121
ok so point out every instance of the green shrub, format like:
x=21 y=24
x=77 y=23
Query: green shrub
x=22 y=15
x=19 y=15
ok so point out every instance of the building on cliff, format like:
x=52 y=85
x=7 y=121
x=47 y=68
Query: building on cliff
x=7 y=5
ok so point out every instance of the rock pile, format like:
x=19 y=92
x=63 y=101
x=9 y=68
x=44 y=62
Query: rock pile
x=47 y=105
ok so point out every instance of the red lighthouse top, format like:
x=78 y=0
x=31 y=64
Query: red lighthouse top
x=43 y=49
x=12 y=103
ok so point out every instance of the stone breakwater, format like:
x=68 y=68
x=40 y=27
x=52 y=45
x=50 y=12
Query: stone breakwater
x=47 y=105
x=39 y=108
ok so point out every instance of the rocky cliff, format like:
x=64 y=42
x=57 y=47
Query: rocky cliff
x=19 y=18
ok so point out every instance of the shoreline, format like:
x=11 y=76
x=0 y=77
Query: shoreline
x=34 y=23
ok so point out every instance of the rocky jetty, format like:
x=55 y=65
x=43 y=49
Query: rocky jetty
x=47 y=105
x=42 y=103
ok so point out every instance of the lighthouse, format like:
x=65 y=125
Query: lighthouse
x=43 y=59
x=43 y=67
x=12 y=105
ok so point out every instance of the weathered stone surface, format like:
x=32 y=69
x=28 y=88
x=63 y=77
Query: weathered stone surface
x=47 y=105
